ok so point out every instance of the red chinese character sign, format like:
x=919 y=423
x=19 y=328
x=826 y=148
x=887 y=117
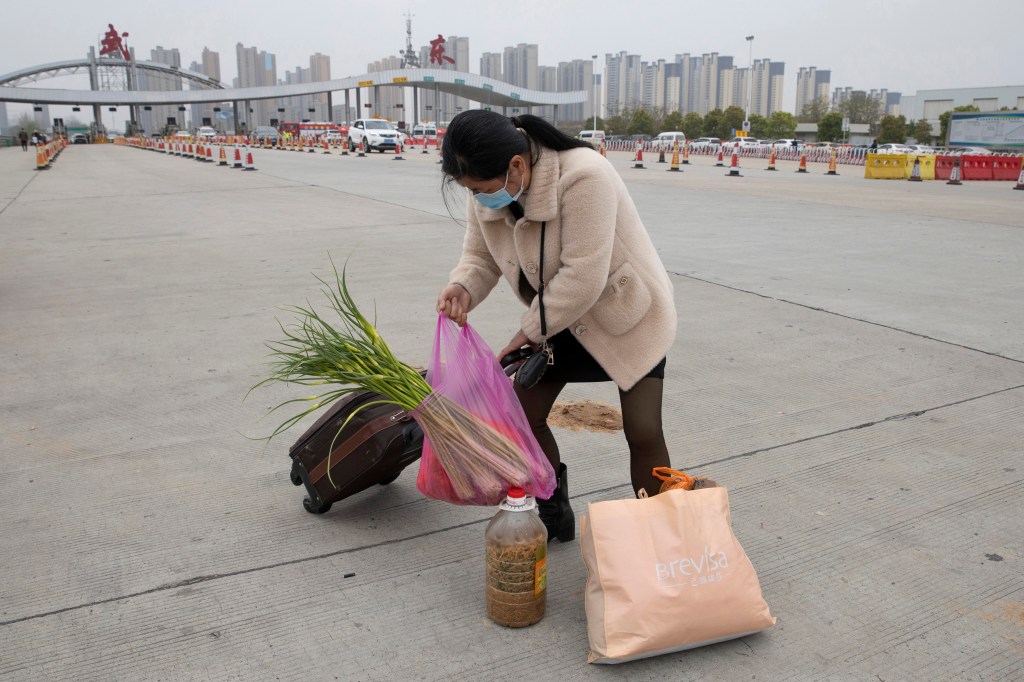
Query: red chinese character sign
x=114 y=44
x=437 y=55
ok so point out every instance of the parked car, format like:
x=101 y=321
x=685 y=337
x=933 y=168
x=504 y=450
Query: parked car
x=787 y=143
x=742 y=143
x=374 y=133
x=594 y=137
x=79 y=138
x=705 y=143
x=666 y=140
x=971 y=150
x=206 y=133
x=894 y=148
x=268 y=133
x=921 y=149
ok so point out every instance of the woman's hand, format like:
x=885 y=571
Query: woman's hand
x=517 y=342
x=454 y=302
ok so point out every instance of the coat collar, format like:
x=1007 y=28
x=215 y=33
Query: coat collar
x=540 y=201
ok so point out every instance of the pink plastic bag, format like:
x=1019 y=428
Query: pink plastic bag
x=477 y=441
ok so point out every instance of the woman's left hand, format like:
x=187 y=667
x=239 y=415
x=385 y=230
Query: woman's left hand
x=517 y=342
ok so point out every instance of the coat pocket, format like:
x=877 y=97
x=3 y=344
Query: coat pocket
x=624 y=302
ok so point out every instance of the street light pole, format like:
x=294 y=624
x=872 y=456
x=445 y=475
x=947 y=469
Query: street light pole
x=594 y=82
x=750 y=77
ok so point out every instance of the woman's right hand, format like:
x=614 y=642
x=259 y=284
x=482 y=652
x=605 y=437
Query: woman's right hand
x=453 y=302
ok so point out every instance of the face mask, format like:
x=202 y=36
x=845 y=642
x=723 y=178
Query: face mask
x=501 y=198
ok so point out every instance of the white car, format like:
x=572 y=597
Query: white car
x=206 y=133
x=893 y=148
x=705 y=143
x=742 y=143
x=779 y=145
x=373 y=133
x=664 y=141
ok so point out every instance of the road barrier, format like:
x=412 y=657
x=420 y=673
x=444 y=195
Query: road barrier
x=926 y=166
x=885 y=167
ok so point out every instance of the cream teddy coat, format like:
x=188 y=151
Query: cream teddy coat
x=604 y=279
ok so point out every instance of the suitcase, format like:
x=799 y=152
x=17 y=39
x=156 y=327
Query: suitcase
x=374 y=448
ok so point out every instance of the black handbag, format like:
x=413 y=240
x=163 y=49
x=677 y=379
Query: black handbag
x=537 y=362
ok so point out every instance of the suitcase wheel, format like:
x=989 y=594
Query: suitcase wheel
x=296 y=479
x=308 y=505
x=390 y=479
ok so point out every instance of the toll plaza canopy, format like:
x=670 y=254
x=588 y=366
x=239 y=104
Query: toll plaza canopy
x=474 y=87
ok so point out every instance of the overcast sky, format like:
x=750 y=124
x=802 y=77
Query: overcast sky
x=901 y=45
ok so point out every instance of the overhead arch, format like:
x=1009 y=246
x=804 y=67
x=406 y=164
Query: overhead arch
x=469 y=85
x=69 y=67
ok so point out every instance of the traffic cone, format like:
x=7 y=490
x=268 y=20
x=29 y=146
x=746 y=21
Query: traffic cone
x=209 y=154
x=249 y=165
x=361 y=152
x=223 y=157
x=661 y=154
x=734 y=166
x=398 y=151
x=603 y=149
x=803 y=164
x=721 y=161
x=327 y=145
x=41 y=161
x=1020 y=178
x=302 y=147
x=915 y=172
x=200 y=152
x=426 y=144
x=344 y=146
x=771 y=161
x=686 y=154
x=238 y=157
x=638 y=161
x=675 y=158
x=312 y=146
x=832 y=166
x=954 y=174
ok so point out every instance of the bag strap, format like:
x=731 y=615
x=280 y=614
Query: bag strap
x=540 y=289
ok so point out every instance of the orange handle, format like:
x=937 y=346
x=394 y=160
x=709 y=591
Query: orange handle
x=676 y=478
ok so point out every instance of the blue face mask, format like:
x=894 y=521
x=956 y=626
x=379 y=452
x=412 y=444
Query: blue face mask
x=501 y=198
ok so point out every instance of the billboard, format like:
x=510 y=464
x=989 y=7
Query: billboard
x=999 y=130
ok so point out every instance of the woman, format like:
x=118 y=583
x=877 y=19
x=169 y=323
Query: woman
x=607 y=300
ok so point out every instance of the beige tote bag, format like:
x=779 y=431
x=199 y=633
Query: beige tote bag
x=666 y=573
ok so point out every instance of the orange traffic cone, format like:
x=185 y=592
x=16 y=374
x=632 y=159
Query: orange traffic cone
x=803 y=164
x=200 y=152
x=209 y=154
x=344 y=146
x=327 y=145
x=1020 y=178
x=238 y=157
x=398 y=151
x=361 y=151
x=223 y=157
x=42 y=163
x=312 y=146
x=686 y=154
x=915 y=172
x=603 y=149
x=661 y=154
x=426 y=144
x=675 y=158
x=832 y=166
x=771 y=161
x=638 y=161
x=302 y=147
x=734 y=166
x=721 y=161
x=249 y=165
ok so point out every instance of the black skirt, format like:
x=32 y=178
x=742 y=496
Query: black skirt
x=573 y=364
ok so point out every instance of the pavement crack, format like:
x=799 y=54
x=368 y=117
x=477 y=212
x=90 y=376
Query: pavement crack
x=846 y=317
x=16 y=196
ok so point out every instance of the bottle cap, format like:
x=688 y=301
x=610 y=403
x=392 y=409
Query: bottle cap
x=517 y=500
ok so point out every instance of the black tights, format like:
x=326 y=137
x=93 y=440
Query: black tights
x=641 y=422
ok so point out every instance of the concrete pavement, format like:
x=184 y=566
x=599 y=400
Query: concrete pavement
x=850 y=364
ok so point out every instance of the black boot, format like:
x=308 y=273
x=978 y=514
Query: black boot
x=555 y=511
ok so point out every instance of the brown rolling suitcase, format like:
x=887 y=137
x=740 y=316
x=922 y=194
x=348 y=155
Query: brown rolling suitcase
x=373 y=448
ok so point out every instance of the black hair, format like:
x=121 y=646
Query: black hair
x=479 y=143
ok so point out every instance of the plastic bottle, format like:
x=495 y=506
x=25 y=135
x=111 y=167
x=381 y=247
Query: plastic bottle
x=517 y=544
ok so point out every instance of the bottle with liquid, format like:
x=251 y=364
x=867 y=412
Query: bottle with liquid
x=517 y=545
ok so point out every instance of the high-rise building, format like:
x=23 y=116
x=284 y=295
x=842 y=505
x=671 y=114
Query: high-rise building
x=762 y=85
x=548 y=82
x=490 y=65
x=623 y=89
x=4 y=122
x=714 y=77
x=209 y=67
x=295 y=108
x=577 y=75
x=384 y=100
x=319 y=71
x=520 y=66
x=812 y=84
x=256 y=69
x=840 y=95
x=158 y=116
